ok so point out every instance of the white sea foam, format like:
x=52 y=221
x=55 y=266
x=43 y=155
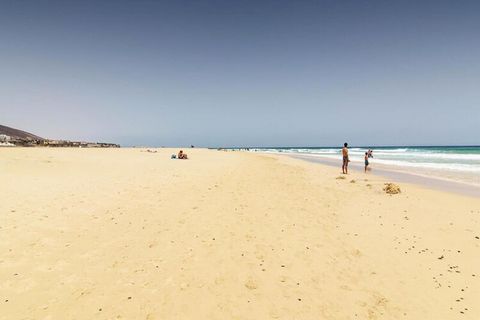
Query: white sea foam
x=447 y=159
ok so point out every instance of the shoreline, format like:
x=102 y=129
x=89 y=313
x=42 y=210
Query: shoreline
x=435 y=183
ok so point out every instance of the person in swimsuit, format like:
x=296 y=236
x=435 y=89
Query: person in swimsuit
x=366 y=161
x=345 y=158
x=182 y=155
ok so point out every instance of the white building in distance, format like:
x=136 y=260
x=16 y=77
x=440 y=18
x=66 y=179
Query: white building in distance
x=4 y=138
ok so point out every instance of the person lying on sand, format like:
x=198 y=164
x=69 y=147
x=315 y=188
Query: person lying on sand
x=182 y=155
x=345 y=158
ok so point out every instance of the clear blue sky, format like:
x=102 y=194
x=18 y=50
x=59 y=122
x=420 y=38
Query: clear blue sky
x=258 y=73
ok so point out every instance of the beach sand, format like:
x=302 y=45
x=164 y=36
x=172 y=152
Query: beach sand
x=126 y=234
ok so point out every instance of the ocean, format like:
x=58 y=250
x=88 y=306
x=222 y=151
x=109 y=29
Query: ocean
x=459 y=163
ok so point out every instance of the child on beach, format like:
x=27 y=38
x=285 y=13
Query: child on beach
x=366 y=161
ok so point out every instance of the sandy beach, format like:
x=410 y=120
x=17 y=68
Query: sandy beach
x=128 y=234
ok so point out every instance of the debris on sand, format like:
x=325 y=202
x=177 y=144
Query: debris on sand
x=340 y=178
x=352 y=181
x=391 y=188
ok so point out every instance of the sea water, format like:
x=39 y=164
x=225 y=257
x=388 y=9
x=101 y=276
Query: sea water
x=460 y=163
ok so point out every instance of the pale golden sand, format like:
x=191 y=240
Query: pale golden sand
x=125 y=234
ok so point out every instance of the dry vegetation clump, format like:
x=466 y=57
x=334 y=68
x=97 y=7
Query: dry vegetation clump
x=391 y=188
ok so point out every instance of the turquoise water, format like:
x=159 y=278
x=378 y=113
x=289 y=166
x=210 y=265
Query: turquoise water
x=460 y=159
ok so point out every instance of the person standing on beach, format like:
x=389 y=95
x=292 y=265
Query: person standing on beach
x=366 y=161
x=345 y=158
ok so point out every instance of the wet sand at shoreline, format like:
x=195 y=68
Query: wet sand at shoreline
x=402 y=175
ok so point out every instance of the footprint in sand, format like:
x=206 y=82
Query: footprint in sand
x=251 y=284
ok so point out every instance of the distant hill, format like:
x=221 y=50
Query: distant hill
x=25 y=139
x=18 y=134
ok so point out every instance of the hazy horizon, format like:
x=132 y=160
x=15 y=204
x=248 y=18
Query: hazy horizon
x=249 y=73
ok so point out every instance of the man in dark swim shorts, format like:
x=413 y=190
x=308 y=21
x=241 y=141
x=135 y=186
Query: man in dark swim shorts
x=366 y=161
x=345 y=158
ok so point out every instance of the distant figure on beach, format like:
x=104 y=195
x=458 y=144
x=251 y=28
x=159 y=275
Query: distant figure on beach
x=370 y=153
x=366 y=160
x=345 y=158
x=182 y=155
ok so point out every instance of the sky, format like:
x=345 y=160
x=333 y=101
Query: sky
x=242 y=73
